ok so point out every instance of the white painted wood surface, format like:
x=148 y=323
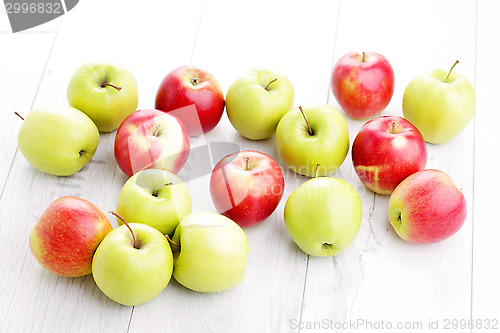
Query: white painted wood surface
x=380 y=280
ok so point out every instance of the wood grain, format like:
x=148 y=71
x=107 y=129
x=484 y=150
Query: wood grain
x=379 y=278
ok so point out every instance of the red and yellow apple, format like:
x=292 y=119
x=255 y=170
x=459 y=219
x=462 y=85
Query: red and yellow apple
x=247 y=186
x=427 y=207
x=151 y=139
x=66 y=236
x=362 y=83
x=194 y=96
x=386 y=151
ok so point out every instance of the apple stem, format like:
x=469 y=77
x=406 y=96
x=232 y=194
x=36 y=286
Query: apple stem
x=393 y=126
x=447 y=76
x=112 y=85
x=171 y=241
x=17 y=114
x=363 y=58
x=316 y=171
x=194 y=81
x=273 y=80
x=303 y=115
x=157 y=130
x=247 y=163
x=155 y=192
x=129 y=228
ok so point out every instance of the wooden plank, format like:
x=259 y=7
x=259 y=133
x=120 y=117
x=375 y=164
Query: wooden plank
x=21 y=69
x=36 y=300
x=486 y=291
x=233 y=38
x=381 y=277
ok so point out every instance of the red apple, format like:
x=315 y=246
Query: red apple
x=363 y=83
x=386 y=151
x=189 y=86
x=66 y=236
x=427 y=207
x=151 y=139
x=247 y=186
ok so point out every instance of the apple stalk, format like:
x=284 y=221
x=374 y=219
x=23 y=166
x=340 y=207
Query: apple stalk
x=447 y=76
x=308 y=126
x=111 y=85
x=129 y=228
x=273 y=80
x=172 y=242
x=17 y=114
x=155 y=192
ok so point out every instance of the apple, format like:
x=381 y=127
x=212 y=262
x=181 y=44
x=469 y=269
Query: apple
x=133 y=264
x=439 y=103
x=57 y=139
x=427 y=207
x=151 y=139
x=311 y=135
x=210 y=252
x=257 y=100
x=247 y=186
x=154 y=197
x=362 y=83
x=386 y=151
x=64 y=239
x=323 y=216
x=192 y=86
x=105 y=92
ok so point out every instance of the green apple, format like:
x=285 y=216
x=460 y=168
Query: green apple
x=210 y=252
x=133 y=268
x=323 y=216
x=105 y=92
x=154 y=197
x=439 y=103
x=57 y=139
x=311 y=135
x=256 y=101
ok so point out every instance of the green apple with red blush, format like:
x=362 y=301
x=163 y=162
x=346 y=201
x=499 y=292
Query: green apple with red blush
x=427 y=207
x=67 y=234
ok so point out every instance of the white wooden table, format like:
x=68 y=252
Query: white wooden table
x=381 y=283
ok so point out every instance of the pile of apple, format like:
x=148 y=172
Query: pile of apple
x=159 y=236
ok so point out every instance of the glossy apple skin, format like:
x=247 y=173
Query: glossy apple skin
x=138 y=146
x=58 y=139
x=66 y=236
x=439 y=108
x=386 y=151
x=323 y=216
x=247 y=197
x=188 y=85
x=105 y=105
x=427 y=207
x=129 y=275
x=154 y=197
x=328 y=146
x=213 y=252
x=363 y=88
x=257 y=100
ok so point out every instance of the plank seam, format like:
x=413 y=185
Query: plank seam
x=130 y=319
x=473 y=170
x=32 y=103
x=304 y=291
x=332 y=62
x=197 y=32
